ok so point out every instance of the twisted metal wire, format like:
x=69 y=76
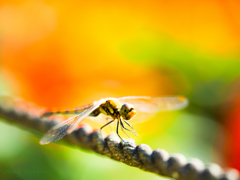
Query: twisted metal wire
x=141 y=156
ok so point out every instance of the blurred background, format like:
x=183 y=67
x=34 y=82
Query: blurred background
x=63 y=54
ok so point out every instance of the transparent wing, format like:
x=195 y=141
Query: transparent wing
x=58 y=131
x=66 y=127
x=147 y=107
x=155 y=104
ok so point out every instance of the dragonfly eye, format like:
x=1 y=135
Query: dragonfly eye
x=127 y=111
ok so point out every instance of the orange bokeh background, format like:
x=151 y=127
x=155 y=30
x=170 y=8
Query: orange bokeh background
x=71 y=53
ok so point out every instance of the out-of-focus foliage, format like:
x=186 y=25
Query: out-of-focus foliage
x=71 y=53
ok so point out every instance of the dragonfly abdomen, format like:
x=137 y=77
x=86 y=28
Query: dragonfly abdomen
x=69 y=112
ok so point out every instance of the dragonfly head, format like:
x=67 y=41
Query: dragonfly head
x=127 y=111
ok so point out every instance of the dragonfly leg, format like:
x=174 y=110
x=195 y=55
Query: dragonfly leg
x=124 y=132
x=117 y=131
x=127 y=128
x=106 y=124
x=104 y=127
x=109 y=118
x=130 y=127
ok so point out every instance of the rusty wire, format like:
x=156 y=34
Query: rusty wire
x=141 y=156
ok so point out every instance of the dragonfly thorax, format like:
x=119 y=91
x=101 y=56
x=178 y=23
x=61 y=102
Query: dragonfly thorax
x=110 y=107
x=114 y=109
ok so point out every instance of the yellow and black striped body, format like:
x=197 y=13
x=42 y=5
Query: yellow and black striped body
x=110 y=108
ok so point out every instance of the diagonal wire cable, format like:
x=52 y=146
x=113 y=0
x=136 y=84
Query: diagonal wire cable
x=26 y=115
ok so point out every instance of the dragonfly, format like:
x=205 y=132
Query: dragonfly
x=120 y=110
